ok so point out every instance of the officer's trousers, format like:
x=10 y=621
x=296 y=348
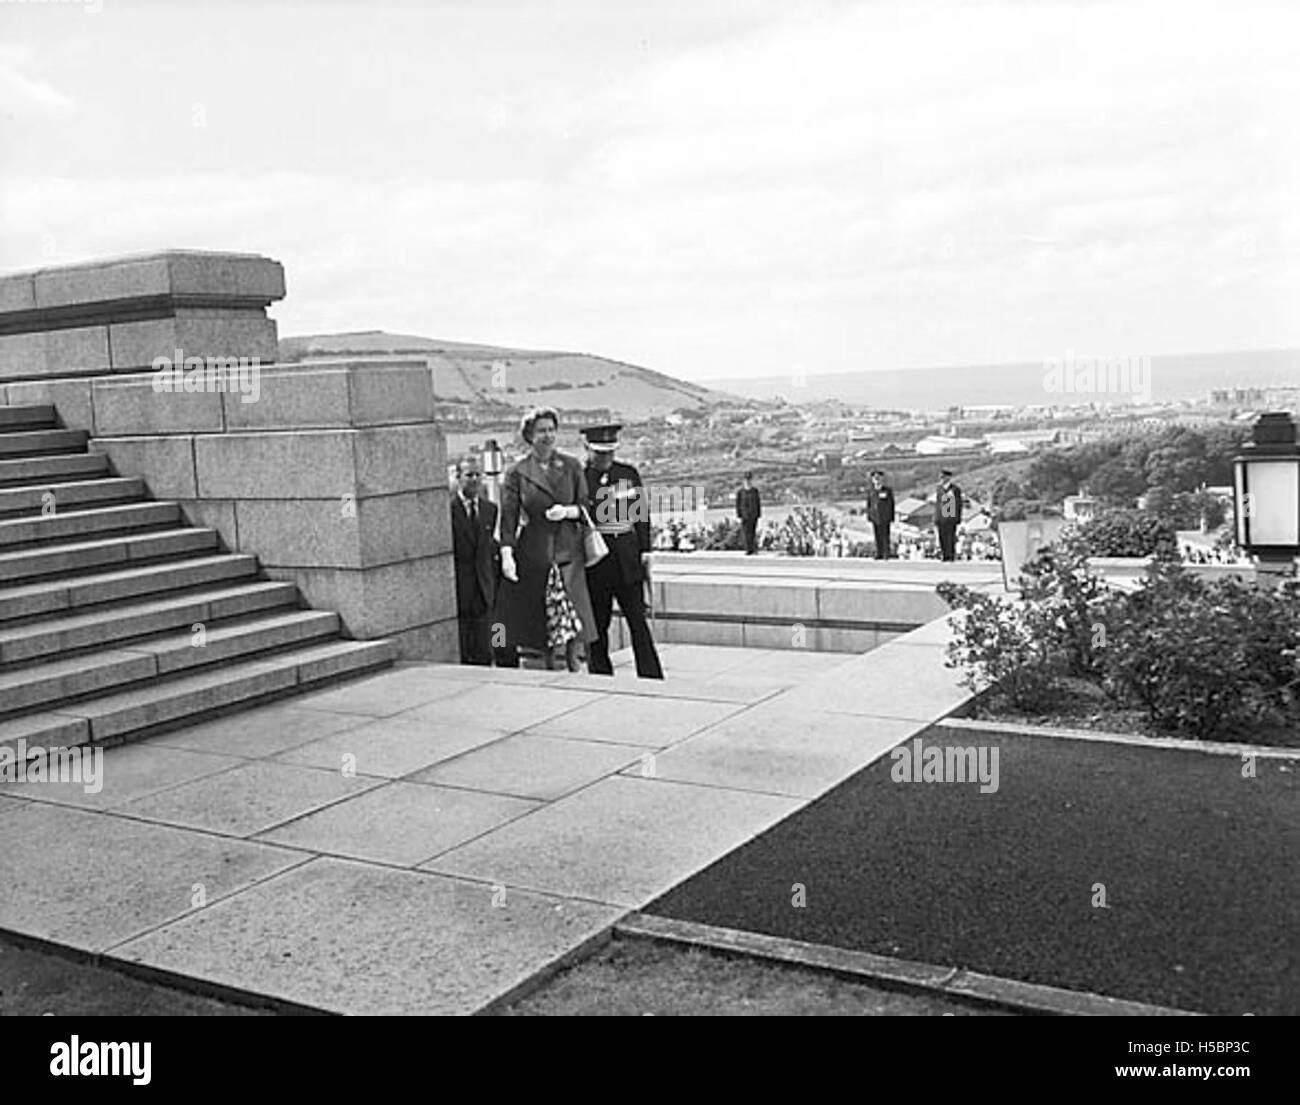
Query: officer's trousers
x=605 y=583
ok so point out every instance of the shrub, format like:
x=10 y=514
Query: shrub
x=805 y=529
x=1001 y=642
x=1204 y=658
x=1124 y=533
x=1071 y=605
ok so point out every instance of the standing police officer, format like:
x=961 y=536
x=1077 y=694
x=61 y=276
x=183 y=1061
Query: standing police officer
x=622 y=515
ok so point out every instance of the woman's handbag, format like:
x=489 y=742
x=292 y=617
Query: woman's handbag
x=593 y=543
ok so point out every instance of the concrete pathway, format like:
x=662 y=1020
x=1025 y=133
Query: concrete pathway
x=427 y=839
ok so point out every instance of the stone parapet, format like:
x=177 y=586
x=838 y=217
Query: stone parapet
x=333 y=473
x=798 y=603
x=334 y=477
x=121 y=315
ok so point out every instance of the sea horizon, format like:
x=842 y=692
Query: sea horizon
x=1173 y=377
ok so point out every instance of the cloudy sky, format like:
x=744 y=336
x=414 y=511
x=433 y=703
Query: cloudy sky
x=711 y=188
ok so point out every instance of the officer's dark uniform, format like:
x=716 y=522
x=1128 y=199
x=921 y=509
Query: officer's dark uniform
x=622 y=515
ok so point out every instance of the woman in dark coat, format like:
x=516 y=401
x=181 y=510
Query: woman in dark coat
x=545 y=604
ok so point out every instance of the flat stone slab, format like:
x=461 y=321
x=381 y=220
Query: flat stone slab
x=361 y=939
x=249 y=799
x=728 y=687
x=391 y=747
x=130 y=771
x=390 y=693
x=648 y=722
x=400 y=823
x=895 y=680
x=90 y=880
x=533 y=766
x=621 y=841
x=506 y=711
x=776 y=751
x=11 y=805
x=260 y=732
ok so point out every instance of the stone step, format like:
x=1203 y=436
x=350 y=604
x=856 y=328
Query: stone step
x=34 y=599
x=178 y=700
x=37 y=417
x=30 y=471
x=18 y=443
x=31 y=564
x=16 y=501
x=74 y=632
x=62 y=680
x=73 y=524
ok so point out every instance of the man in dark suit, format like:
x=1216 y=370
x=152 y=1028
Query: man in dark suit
x=621 y=513
x=947 y=515
x=478 y=562
x=880 y=512
x=749 y=509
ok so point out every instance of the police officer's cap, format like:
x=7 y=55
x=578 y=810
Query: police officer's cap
x=602 y=439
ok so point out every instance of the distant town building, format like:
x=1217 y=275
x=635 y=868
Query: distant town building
x=936 y=445
x=1079 y=508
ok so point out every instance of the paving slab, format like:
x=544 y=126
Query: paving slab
x=90 y=880
x=250 y=798
x=361 y=939
x=400 y=823
x=478 y=673
x=11 y=805
x=533 y=767
x=259 y=732
x=685 y=659
x=620 y=841
x=777 y=751
x=704 y=688
x=130 y=771
x=391 y=692
x=391 y=747
x=648 y=722
x=791 y=664
x=906 y=681
x=505 y=709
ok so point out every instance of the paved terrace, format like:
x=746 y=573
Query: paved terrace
x=427 y=839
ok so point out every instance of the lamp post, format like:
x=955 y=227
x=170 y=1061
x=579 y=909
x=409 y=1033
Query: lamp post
x=1267 y=494
x=493 y=467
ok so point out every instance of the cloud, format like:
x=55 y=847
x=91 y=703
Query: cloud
x=24 y=96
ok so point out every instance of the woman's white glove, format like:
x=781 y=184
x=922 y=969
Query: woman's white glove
x=508 y=568
x=558 y=513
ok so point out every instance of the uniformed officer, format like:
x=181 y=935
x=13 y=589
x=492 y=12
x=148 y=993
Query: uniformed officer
x=622 y=515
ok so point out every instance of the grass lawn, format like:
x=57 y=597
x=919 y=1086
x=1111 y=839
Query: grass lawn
x=632 y=978
x=33 y=983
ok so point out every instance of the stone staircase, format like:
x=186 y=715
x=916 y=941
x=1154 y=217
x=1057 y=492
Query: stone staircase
x=118 y=618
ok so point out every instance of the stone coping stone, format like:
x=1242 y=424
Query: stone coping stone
x=241 y=277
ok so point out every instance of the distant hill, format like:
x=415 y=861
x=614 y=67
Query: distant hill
x=1174 y=376
x=481 y=378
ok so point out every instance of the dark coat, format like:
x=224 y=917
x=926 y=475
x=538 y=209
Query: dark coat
x=477 y=556
x=617 y=499
x=880 y=505
x=951 y=515
x=528 y=490
x=749 y=507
